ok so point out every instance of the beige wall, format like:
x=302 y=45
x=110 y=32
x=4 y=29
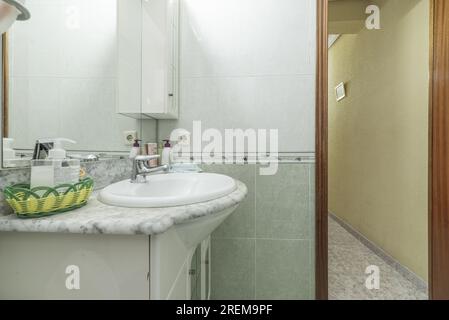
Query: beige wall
x=379 y=134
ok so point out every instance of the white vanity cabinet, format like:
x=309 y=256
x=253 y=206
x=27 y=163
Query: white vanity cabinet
x=44 y=266
x=106 y=252
x=148 y=58
x=69 y=266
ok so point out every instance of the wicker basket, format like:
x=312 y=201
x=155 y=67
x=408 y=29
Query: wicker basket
x=44 y=201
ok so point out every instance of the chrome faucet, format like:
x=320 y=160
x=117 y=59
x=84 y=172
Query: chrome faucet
x=141 y=167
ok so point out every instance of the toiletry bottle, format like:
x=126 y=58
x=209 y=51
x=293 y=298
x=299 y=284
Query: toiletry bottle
x=160 y=148
x=166 y=153
x=67 y=171
x=9 y=154
x=42 y=169
x=8 y=151
x=135 y=151
x=42 y=148
x=42 y=173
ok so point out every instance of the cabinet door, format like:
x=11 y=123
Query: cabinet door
x=199 y=272
x=129 y=58
x=195 y=275
x=59 y=266
x=160 y=31
x=205 y=269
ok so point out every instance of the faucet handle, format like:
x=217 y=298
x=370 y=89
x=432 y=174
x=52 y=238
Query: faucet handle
x=147 y=158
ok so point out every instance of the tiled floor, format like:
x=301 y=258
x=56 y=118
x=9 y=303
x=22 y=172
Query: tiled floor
x=348 y=260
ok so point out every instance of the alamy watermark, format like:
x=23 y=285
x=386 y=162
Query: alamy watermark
x=372 y=282
x=234 y=146
x=373 y=20
x=72 y=281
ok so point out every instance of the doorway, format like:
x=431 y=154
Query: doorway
x=432 y=138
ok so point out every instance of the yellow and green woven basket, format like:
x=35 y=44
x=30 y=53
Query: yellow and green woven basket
x=45 y=201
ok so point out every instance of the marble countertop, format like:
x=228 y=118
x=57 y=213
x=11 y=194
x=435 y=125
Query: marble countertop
x=98 y=218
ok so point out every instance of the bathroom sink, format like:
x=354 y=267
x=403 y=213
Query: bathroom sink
x=168 y=190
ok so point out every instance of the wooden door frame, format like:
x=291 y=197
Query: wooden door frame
x=438 y=152
x=321 y=245
x=5 y=88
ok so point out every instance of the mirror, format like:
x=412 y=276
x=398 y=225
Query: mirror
x=62 y=74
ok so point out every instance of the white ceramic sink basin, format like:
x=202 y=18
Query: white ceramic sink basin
x=168 y=190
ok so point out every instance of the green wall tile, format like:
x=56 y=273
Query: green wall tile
x=233 y=269
x=282 y=203
x=277 y=207
x=241 y=224
x=283 y=270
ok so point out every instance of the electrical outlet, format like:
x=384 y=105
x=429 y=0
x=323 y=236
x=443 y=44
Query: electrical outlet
x=130 y=137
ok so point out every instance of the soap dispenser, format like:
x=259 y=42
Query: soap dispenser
x=166 y=153
x=58 y=152
x=67 y=171
x=135 y=151
x=42 y=169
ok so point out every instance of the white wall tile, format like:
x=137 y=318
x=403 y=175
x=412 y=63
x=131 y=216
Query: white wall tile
x=92 y=100
x=90 y=38
x=37 y=112
x=64 y=74
x=19 y=115
x=249 y=64
x=95 y=100
x=285 y=103
x=37 y=45
x=250 y=37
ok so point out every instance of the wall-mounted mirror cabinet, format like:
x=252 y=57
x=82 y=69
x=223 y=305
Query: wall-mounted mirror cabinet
x=159 y=29
x=89 y=70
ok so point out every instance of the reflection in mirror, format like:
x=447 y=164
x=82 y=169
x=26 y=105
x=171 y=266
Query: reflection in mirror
x=62 y=71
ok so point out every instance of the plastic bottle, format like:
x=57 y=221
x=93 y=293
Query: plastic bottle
x=166 y=153
x=8 y=151
x=9 y=154
x=67 y=171
x=56 y=169
x=135 y=151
